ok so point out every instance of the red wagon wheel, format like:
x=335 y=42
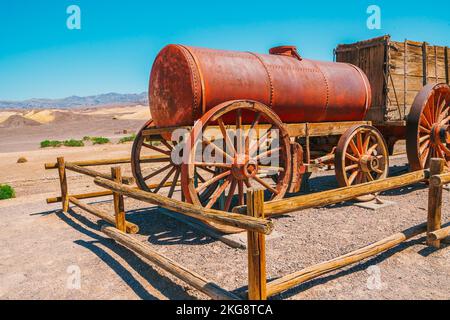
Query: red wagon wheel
x=428 y=127
x=154 y=168
x=152 y=165
x=361 y=156
x=241 y=162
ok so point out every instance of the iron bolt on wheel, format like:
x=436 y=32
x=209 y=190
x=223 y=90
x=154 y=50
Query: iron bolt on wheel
x=361 y=156
x=242 y=135
x=428 y=127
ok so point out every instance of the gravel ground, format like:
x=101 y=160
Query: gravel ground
x=40 y=247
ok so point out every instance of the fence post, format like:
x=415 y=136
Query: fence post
x=434 y=202
x=256 y=249
x=63 y=184
x=119 y=208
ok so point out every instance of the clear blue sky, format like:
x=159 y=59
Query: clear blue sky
x=113 y=52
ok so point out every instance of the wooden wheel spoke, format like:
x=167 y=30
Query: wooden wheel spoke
x=423 y=129
x=445 y=149
x=359 y=177
x=351 y=157
x=205 y=165
x=427 y=113
x=222 y=152
x=369 y=176
x=265 y=184
x=354 y=148
x=199 y=176
x=424 y=146
x=205 y=168
x=228 y=142
x=424 y=156
x=156 y=160
x=378 y=170
x=216 y=194
x=423 y=138
x=168 y=146
x=251 y=131
x=272 y=168
x=444 y=121
x=163 y=181
x=359 y=142
x=230 y=195
x=212 y=180
x=366 y=143
x=174 y=183
x=239 y=131
x=444 y=113
x=439 y=152
x=262 y=140
x=352 y=167
x=431 y=106
x=440 y=106
x=267 y=153
x=352 y=177
x=149 y=146
x=424 y=122
x=372 y=149
x=154 y=173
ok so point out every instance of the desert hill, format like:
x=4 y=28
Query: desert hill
x=17 y=121
x=36 y=117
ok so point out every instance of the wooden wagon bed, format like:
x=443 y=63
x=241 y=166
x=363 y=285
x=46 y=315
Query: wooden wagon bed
x=397 y=71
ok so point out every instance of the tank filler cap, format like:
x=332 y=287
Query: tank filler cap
x=290 y=51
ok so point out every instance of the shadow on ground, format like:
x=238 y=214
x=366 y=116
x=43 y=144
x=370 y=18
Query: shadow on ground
x=98 y=245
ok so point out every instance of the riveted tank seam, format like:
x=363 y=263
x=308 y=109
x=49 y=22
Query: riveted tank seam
x=366 y=86
x=269 y=76
x=327 y=101
x=194 y=66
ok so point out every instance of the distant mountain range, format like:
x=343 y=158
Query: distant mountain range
x=106 y=99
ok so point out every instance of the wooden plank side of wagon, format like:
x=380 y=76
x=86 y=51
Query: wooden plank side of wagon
x=412 y=64
x=370 y=56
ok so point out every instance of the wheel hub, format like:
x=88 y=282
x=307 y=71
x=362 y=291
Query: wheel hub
x=244 y=167
x=440 y=134
x=369 y=163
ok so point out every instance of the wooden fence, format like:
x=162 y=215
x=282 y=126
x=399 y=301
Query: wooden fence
x=250 y=218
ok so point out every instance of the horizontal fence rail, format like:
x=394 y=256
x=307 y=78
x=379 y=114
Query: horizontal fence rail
x=319 y=199
x=440 y=179
x=439 y=234
x=209 y=215
x=103 y=162
x=94 y=173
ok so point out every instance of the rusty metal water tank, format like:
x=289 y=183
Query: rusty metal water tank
x=185 y=82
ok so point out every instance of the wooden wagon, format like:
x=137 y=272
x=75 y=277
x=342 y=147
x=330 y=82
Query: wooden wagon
x=398 y=72
x=322 y=112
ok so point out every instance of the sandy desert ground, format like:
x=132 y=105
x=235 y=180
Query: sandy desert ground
x=40 y=247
